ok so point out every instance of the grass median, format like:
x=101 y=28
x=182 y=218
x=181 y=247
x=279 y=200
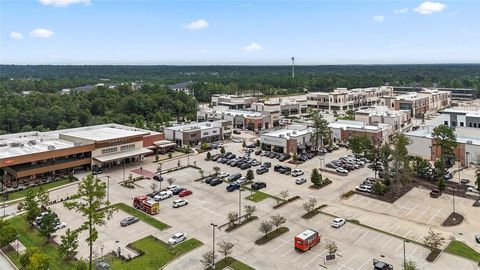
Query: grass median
x=30 y=237
x=22 y=193
x=461 y=249
x=232 y=263
x=156 y=254
x=142 y=216
x=258 y=196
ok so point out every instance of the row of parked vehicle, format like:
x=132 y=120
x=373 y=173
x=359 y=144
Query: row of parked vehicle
x=269 y=154
x=347 y=163
x=57 y=224
x=367 y=185
x=170 y=191
x=234 y=161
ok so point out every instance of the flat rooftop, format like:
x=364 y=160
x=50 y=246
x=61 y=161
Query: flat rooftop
x=292 y=132
x=105 y=134
x=195 y=126
x=344 y=124
x=469 y=113
x=33 y=142
x=381 y=111
x=470 y=137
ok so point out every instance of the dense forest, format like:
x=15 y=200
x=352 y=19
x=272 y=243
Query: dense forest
x=155 y=104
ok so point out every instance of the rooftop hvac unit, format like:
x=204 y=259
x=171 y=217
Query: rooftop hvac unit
x=51 y=147
x=77 y=143
x=16 y=144
x=288 y=134
x=281 y=136
x=294 y=132
x=3 y=144
x=32 y=142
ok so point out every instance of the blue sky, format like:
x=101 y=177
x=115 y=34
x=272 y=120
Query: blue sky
x=238 y=32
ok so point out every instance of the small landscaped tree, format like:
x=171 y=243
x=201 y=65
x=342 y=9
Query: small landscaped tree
x=8 y=233
x=208 y=258
x=179 y=163
x=69 y=244
x=284 y=194
x=257 y=143
x=202 y=173
x=316 y=178
x=33 y=259
x=331 y=246
x=249 y=210
x=477 y=181
x=222 y=150
x=410 y=265
x=157 y=157
x=309 y=205
x=225 y=248
x=278 y=220
x=34 y=201
x=171 y=180
x=250 y=176
x=433 y=240
x=154 y=186
x=216 y=169
x=265 y=227
x=244 y=144
x=232 y=217
x=47 y=227
x=169 y=155
x=295 y=158
x=89 y=199
x=209 y=155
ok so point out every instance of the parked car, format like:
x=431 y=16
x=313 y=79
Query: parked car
x=185 y=193
x=448 y=176
x=236 y=131
x=177 y=191
x=216 y=182
x=237 y=141
x=464 y=181
x=179 y=203
x=216 y=157
x=267 y=164
x=208 y=179
x=472 y=189
x=242 y=180
x=258 y=185
x=256 y=163
x=338 y=222
x=245 y=166
x=172 y=187
x=297 y=172
x=341 y=170
x=128 y=221
x=234 y=177
x=223 y=175
x=300 y=181
x=163 y=195
x=364 y=188
x=258 y=152
x=59 y=225
x=262 y=170
x=435 y=193
x=39 y=218
x=477 y=238
x=331 y=165
x=177 y=238
x=232 y=187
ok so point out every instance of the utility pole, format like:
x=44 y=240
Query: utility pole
x=213 y=246
x=404 y=256
x=240 y=205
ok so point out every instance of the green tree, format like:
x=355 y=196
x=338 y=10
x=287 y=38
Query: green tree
x=316 y=178
x=38 y=261
x=157 y=157
x=34 y=201
x=89 y=199
x=257 y=143
x=401 y=161
x=232 y=217
x=222 y=150
x=320 y=127
x=208 y=259
x=209 y=155
x=249 y=210
x=295 y=158
x=360 y=144
x=8 y=233
x=477 y=180
x=445 y=138
x=410 y=265
x=278 y=220
x=225 y=248
x=265 y=227
x=69 y=243
x=204 y=146
x=421 y=166
x=244 y=144
x=216 y=169
x=47 y=227
x=250 y=176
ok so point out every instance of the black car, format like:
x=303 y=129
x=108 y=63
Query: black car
x=245 y=166
x=267 y=164
x=128 y=221
x=236 y=131
x=262 y=170
x=276 y=168
x=215 y=182
x=252 y=145
x=258 y=185
x=225 y=160
x=215 y=157
x=177 y=191
x=151 y=195
x=234 y=177
x=208 y=179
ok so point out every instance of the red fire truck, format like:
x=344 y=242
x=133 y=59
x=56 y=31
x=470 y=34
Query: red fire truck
x=148 y=206
x=138 y=201
x=306 y=240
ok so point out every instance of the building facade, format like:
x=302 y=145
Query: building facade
x=460 y=118
x=342 y=130
x=419 y=103
x=233 y=102
x=196 y=133
x=185 y=87
x=457 y=93
x=239 y=118
x=399 y=120
x=295 y=139
x=343 y=99
x=38 y=155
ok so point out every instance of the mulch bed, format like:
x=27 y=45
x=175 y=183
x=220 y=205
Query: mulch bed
x=271 y=235
x=453 y=219
x=285 y=202
x=238 y=225
x=434 y=253
x=390 y=196
x=333 y=172
x=325 y=183
x=314 y=212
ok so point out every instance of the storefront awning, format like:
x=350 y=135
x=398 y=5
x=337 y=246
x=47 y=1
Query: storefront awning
x=124 y=154
x=165 y=143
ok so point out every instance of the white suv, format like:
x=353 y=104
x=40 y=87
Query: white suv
x=163 y=195
x=297 y=172
x=223 y=174
x=179 y=203
x=177 y=238
x=338 y=222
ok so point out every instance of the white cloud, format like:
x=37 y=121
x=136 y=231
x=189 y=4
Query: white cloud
x=252 y=47
x=400 y=11
x=379 y=18
x=427 y=8
x=41 y=33
x=63 y=3
x=16 y=35
x=197 y=25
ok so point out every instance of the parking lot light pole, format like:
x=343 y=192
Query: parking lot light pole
x=240 y=204
x=404 y=256
x=213 y=246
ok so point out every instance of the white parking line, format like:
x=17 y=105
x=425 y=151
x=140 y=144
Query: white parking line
x=298 y=257
x=322 y=220
x=373 y=241
x=406 y=214
x=364 y=264
x=305 y=265
x=345 y=264
x=273 y=250
x=356 y=228
x=418 y=238
x=434 y=216
x=413 y=251
x=406 y=235
x=426 y=209
x=288 y=251
x=386 y=243
x=360 y=238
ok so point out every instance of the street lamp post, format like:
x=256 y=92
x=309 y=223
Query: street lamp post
x=404 y=256
x=213 y=246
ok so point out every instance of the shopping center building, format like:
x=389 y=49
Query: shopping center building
x=40 y=155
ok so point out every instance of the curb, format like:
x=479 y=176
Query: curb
x=52 y=189
x=8 y=259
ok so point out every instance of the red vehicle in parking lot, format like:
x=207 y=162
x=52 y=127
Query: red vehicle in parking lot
x=185 y=192
x=306 y=240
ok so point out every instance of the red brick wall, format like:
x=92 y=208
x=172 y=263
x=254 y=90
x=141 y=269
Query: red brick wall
x=150 y=139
